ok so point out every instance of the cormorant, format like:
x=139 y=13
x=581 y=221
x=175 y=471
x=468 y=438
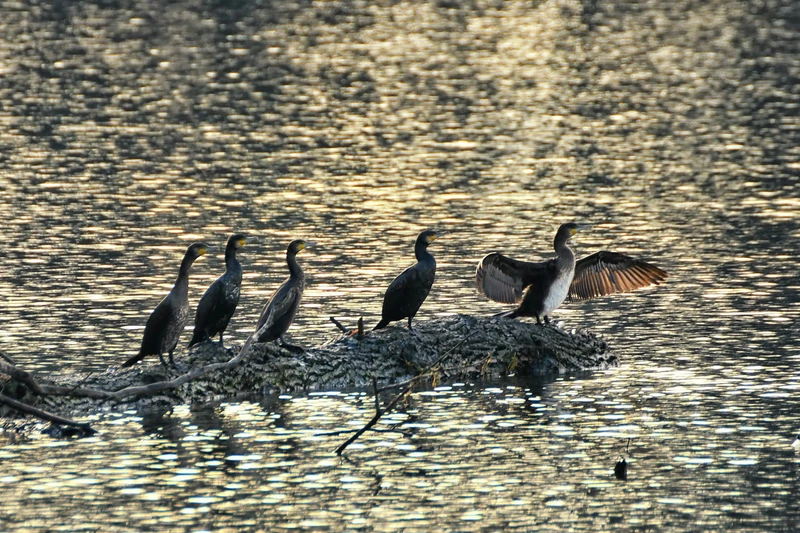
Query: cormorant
x=540 y=288
x=406 y=293
x=166 y=322
x=281 y=307
x=219 y=302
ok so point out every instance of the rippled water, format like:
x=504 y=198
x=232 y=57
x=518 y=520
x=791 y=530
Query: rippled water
x=128 y=130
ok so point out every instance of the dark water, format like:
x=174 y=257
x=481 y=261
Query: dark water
x=130 y=129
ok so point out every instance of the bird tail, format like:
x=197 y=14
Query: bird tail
x=133 y=360
x=197 y=338
x=382 y=324
x=506 y=314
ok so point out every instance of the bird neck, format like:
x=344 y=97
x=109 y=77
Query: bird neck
x=294 y=267
x=231 y=263
x=186 y=264
x=565 y=254
x=182 y=282
x=421 y=253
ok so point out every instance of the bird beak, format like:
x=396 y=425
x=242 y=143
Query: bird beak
x=583 y=227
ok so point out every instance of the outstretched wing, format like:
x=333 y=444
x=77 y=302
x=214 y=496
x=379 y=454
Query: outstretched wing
x=503 y=279
x=604 y=273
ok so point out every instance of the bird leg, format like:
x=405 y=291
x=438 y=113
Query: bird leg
x=163 y=361
x=538 y=321
x=221 y=345
x=409 y=323
x=546 y=320
x=172 y=361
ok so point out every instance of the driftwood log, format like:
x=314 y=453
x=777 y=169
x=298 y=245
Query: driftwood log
x=478 y=347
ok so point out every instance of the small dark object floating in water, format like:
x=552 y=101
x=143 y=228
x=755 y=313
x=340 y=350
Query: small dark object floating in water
x=621 y=469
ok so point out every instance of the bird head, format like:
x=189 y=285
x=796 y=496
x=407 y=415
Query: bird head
x=197 y=249
x=237 y=240
x=567 y=231
x=426 y=237
x=299 y=245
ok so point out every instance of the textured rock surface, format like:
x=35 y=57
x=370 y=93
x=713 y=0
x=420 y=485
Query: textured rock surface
x=478 y=346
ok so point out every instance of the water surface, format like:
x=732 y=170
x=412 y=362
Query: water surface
x=129 y=130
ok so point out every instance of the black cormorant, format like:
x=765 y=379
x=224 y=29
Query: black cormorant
x=406 y=293
x=281 y=307
x=166 y=322
x=540 y=288
x=219 y=302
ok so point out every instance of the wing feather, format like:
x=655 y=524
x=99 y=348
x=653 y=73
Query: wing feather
x=279 y=304
x=500 y=278
x=604 y=273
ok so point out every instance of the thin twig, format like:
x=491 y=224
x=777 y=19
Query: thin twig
x=81 y=382
x=372 y=422
x=377 y=395
x=7 y=358
x=339 y=325
x=403 y=383
x=348 y=431
x=410 y=383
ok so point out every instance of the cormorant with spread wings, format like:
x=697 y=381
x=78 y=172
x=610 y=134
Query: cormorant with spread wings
x=539 y=288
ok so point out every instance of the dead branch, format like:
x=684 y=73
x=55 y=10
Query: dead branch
x=409 y=385
x=340 y=326
x=44 y=415
x=128 y=392
x=373 y=420
x=342 y=362
x=159 y=386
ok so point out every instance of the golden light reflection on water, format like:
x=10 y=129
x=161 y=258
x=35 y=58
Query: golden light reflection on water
x=357 y=128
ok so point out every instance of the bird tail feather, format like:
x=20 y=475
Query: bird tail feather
x=133 y=360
